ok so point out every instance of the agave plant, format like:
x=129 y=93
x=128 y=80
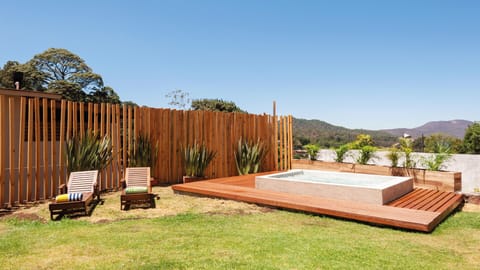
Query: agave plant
x=196 y=158
x=144 y=153
x=249 y=156
x=88 y=152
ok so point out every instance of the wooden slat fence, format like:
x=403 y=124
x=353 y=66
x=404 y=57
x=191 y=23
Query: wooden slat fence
x=33 y=132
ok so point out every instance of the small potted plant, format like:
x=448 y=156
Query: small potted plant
x=196 y=160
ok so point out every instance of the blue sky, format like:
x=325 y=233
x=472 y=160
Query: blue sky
x=358 y=64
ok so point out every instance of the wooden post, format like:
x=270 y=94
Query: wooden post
x=53 y=148
x=45 y=147
x=2 y=149
x=12 y=150
x=21 y=149
x=61 y=162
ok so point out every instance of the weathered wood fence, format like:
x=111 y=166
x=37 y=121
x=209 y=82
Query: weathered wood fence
x=33 y=132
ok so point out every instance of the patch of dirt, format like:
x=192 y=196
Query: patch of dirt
x=27 y=217
x=471 y=207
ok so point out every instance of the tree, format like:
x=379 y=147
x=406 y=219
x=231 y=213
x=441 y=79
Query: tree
x=65 y=73
x=216 y=105
x=31 y=77
x=104 y=95
x=440 y=143
x=362 y=141
x=471 y=141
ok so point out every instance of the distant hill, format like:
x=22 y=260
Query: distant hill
x=455 y=128
x=328 y=135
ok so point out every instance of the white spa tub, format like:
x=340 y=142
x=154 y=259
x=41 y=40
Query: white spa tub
x=365 y=188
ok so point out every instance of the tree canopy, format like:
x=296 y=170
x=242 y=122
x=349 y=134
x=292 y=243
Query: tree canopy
x=216 y=105
x=61 y=72
x=471 y=141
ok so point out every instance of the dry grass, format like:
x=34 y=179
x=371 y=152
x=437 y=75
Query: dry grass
x=169 y=204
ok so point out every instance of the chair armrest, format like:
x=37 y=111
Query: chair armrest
x=123 y=184
x=62 y=189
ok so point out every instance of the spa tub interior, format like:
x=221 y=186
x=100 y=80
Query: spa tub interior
x=366 y=188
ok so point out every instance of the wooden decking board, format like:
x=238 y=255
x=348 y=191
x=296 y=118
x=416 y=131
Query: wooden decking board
x=416 y=202
x=411 y=197
x=432 y=205
x=430 y=201
x=241 y=188
x=445 y=203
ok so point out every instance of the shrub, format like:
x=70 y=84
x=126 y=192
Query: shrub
x=88 y=152
x=144 y=152
x=341 y=153
x=197 y=158
x=366 y=154
x=312 y=150
x=394 y=155
x=249 y=156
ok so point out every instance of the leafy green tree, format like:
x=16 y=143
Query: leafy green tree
x=361 y=141
x=130 y=103
x=63 y=72
x=440 y=143
x=63 y=65
x=471 y=141
x=104 y=95
x=31 y=77
x=216 y=105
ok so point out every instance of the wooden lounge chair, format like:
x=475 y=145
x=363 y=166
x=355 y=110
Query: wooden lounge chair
x=84 y=182
x=136 y=188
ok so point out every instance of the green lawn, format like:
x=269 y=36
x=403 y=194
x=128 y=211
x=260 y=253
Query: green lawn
x=201 y=239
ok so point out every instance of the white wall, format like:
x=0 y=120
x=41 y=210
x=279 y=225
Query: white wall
x=468 y=165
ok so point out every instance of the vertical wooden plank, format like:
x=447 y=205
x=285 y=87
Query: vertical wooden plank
x=12 y=151
x=82 y=118
x=124 y=137
x=75 y=118
x=117 y=153
x=102 y=119
x=69 y=119
x=21 y=151
x=129 y=132
x=30 y=150
x=275 y=136
x=95 y=118
x=37 y=149
x=290 y=138
x=285 y=143
x=45 y=148
x=2 y=149
x=90 y=116
x=61 y=162
x=108 y=123
x=53 y=148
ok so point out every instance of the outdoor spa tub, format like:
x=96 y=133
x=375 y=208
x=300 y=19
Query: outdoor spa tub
x=365 y=188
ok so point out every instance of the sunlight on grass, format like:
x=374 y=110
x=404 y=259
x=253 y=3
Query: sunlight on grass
x=186 y=232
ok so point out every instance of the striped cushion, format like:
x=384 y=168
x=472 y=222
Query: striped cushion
x=133 y=190
x=75 y=196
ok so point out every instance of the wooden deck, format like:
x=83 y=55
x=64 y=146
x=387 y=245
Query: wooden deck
x=420 y=210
